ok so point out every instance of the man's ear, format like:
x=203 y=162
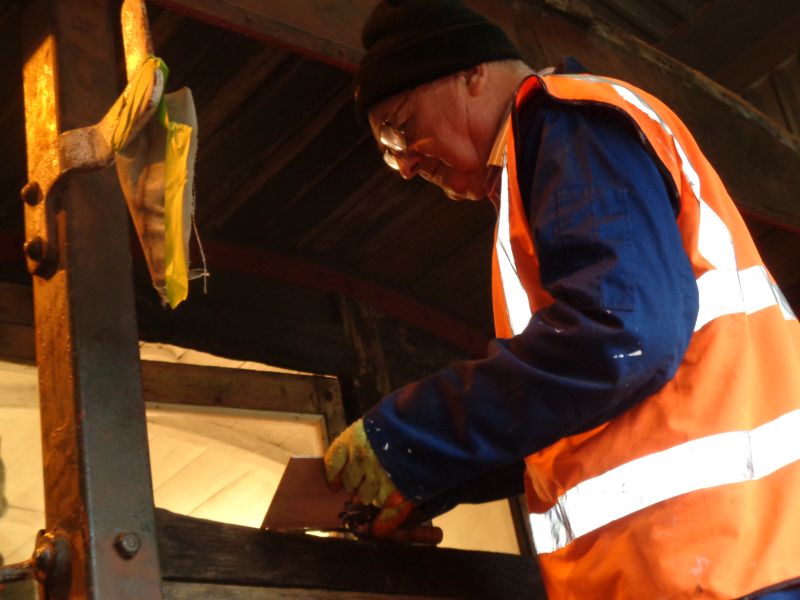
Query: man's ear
x=475 y=79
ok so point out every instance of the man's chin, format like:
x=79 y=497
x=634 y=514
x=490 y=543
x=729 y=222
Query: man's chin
x=460 y=196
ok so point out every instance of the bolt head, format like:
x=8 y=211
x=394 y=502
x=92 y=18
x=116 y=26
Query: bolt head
x=35 y=249
x=43 y=557
x=31 y=193
x=128 y=544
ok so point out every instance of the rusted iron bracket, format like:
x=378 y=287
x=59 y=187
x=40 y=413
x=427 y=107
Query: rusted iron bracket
x=100 y=529
x=87 y=148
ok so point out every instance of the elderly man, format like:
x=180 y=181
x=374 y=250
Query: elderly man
x=645 y=380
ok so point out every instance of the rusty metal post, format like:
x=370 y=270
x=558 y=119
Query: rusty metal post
x=98 y=493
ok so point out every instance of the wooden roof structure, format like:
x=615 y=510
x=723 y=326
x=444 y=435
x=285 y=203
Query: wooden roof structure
x=321 y=259
x=291 y=189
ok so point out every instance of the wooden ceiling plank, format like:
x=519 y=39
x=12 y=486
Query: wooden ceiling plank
x=265 y=215
x=278 y=156
x=408 y=259
x=755 y=60
x=186 y=49
x=324 y=191
x=246 y=81
x=390 y=215
x=391 y=254
x=326 y=29
x=244 y=114
x=349 y=215
x=163 y=26
x=787 y=86
x=251 y=314
x=683 y=10
x=221 y=63
x=259 y=131
x=764 y=97
x=647 y=17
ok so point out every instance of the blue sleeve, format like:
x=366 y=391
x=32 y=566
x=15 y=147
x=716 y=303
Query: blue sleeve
x=610 y=254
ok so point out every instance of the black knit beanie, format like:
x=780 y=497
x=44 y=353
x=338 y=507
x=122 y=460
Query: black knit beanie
x=411 y=42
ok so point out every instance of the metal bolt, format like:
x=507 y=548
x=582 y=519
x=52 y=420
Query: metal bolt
x=44 y=556
x=50 y=556
x=128 y=544
x=35 y=249
x=32 y=193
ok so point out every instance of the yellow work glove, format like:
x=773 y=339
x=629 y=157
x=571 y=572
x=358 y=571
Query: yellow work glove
x=393 y=514
x=351 y=462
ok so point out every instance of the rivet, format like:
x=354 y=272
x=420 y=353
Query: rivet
x=35 y=249
x=31 y=193
x=128 y=544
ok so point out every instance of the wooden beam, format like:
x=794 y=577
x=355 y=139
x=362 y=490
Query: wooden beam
x=325 y=29
x=198 y=551
x=177 y=383
x=368 y=380
x=176 y=590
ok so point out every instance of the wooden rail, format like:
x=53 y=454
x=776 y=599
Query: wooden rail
x=219 y=559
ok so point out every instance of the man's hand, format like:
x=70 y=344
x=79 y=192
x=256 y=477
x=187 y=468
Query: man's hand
x=351 y=462
x=393 y=514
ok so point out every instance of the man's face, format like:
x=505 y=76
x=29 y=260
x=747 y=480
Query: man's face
x=434 y=119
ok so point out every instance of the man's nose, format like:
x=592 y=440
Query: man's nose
x=408 y=164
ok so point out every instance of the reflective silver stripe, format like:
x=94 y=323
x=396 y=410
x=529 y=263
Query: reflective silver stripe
x=724 y=292
x=517 y=305
x=721 y=459
x=714 y=241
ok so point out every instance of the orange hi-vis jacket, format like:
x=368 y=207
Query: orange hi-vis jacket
x=694 y=492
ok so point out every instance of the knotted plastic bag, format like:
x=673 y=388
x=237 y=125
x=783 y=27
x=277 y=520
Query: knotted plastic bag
x=156 y=173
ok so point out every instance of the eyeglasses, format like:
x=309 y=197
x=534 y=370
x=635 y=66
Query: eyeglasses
x=394 y=143
x=393 y=139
